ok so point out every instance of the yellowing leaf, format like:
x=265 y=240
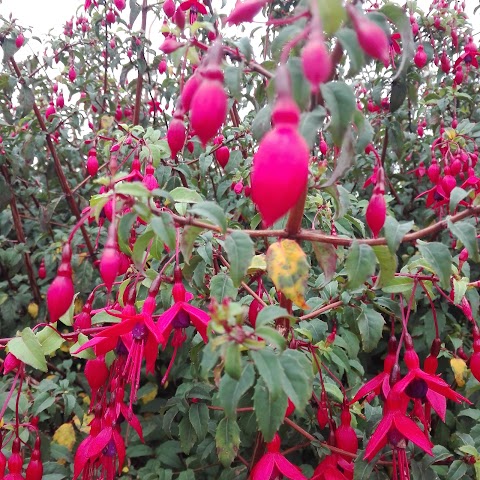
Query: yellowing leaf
x=106 y=122
x=77 y=305
x=65 y=436
x=257 y=264
x=83 y=425
x=32 y=309
x=288 y=268
x=150 y=394
x=459 y=368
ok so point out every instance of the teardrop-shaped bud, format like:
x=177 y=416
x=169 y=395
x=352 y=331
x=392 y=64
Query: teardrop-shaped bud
x=92 y=165
x=19 y=40
x=458 y=75
x=376 y=213
x=162 y=67
x=433 y=172
x=61 y=291
x=169 y=8
x=110 y=261
x=149 y=179
x=42 y=272
x=170 y=45
x=35 y=466
x=60 y=102
x=222 y=155
x=96 y=372
x=280 y=166
x=176 y=135
x=245 y=11
x=371 y=36
x=420 y=57
x=253 y=311
x=72 y=74
x=179 y=18
x=209 y=107
x=448 y=183
x=475 y=365
x=322 y=414
x=10 y=363
x=316 y=62
x=49 y=111
x=345 y=436
x=15 y=462
x=189 y=90
x=323 y=147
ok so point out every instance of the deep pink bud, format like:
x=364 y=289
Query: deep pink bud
x=72 y=74
x=92 y=165
x=110 y=261
x=61 y=291
x=433 y=172
x=459 y=75
x=10 y=363
x=96 y=372
x=35 y=466
x=176 y=135
x=448 y=184
x=445 y=62
x=189 y=90
x=420 y=58
x=222 y=155
x=244 y=11
x=179 y=18
x=169 y=8
x=253 y=311
x=170 y=44
x=42 y=272
x=463 y=257
x=118 y=113
x=149 y=179
x=316 y=62
x=83 y=320
x=475 y=365
x=280 y=166
x=49 y=111
x=345 y=436
x=19 y=40
x=60 y=102
x=209 y=106
x=323 y=147
x=110 y=16
x=162 y=67
x=238 y=188
x=120 y=4
x=371 y=37
x=376 y=213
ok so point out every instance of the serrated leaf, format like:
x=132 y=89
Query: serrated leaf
x=370 y=324
x=398 y=285
x=199 y=417
x=49 y=339
x=271 y=336
x=326 y=255
x=269 y=411
x=269 y=368
x=221 y=286
x=135 y=189
x=288 y=268
x=341 y=103
x=310 y=124
x=233 y=360
x=457 y=470
x=140 y=246
x=388 y=265
x=438 y=256
x=231 y=391
x=344 y=160
x=227 y=440
x=297 y=378
x=164 y=227
x=28 y=349
x=467 y=234
x=189 y=235
x=348 y=39
x=456 y=196
x=185 y=195
x=360 y=264
x=240 y=251
x=268 y=314
x=187 y=435
x=394 y=232
x=211 y=211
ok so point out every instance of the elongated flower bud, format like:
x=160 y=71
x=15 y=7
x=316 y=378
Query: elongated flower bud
x=316 y=62
x=189 y=90
x=61 y=291
x=110 y=261
x=149 y=179
x=72 y=74
x=169 y=8
x=222 y=155
x=475 y=365
x=420 y=57
x=176 y=134
x=376 y=213
x=244 y=11
x=280 y=166
x=96 y=372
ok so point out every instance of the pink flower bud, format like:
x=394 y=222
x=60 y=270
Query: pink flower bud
x=420 y=58
x=162 y=67
x=238 y=188
x=10 y=363
x=92 y=165
x=170 y=44
x=244 y=11
x=176 y=135
x=169 y=8
x=189 y=90
x=72 y=74
x=49 y=111
x=61 y=291
x=19 y=40
x=110 y=261
x=376 y=213
x=179 y=18
x=149 y=179
x=96 y=372
x=316 y=62
x=222 y=155
x=120 y=4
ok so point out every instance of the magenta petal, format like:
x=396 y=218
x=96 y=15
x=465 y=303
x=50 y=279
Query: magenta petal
x=81 y=457
x=199 y=319
x=151 y=353
x=371 y=386
x=264 y=468
x=186 y=5
x=153 y=328
x=99 y=442
x=403 y=383
x=438 y=403
x=379 y=438
x=164 y=322
x=120 y=446
x=288 y=469
x=409 y=429
x=132 y=419
x=440 y=386
x=121 y=328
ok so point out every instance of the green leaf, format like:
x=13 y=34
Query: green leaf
x=456 y=196
x=140 y=246
x=269 y=368
x=394 y=232
x=269 y=314
x=124 y=228
x=399 y=18
x=326 y=255
x=310 y=124
x=272 y=336
x=370 y=324
x=211 y=211
x=26 y=99
x=135 y=189
x=49 y=339
x=199 y=417
x=344 y=161
x=231 y=391
x=438 y=256
x=360 y=264
x=187 y=435
x=185 y=195
x=348 y=39
x=332 y=13
x=221 y=286
x=388 y=264
x=164 y=228
x=262 y=122
x=233 y=81
x=240 y=251
x=28 y=349
x=233 y=360
x=269 y=411
x=227 y=439
x=457 y=470
x=189 y=235
x=467 y=234
x=398 y=285
x=398 y=94
x=297 y=378
x=341 y=103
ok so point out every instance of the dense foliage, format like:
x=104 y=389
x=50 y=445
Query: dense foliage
x=235 y=249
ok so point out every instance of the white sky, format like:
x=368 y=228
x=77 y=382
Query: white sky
x=43 y=15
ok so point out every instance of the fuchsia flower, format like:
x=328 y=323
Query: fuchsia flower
x=195 y=7
x=333 y=467
x=273 y=464
x=469 y=56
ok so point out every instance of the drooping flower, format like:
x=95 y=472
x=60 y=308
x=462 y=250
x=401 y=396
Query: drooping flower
x=195 y=7
x=273 y=464
x=333 y=467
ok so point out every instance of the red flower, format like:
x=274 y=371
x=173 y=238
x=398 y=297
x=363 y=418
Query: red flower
x=469 y=56
x=194 y=6
x=333 y=467
x=273 y=464
x=395 y=427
